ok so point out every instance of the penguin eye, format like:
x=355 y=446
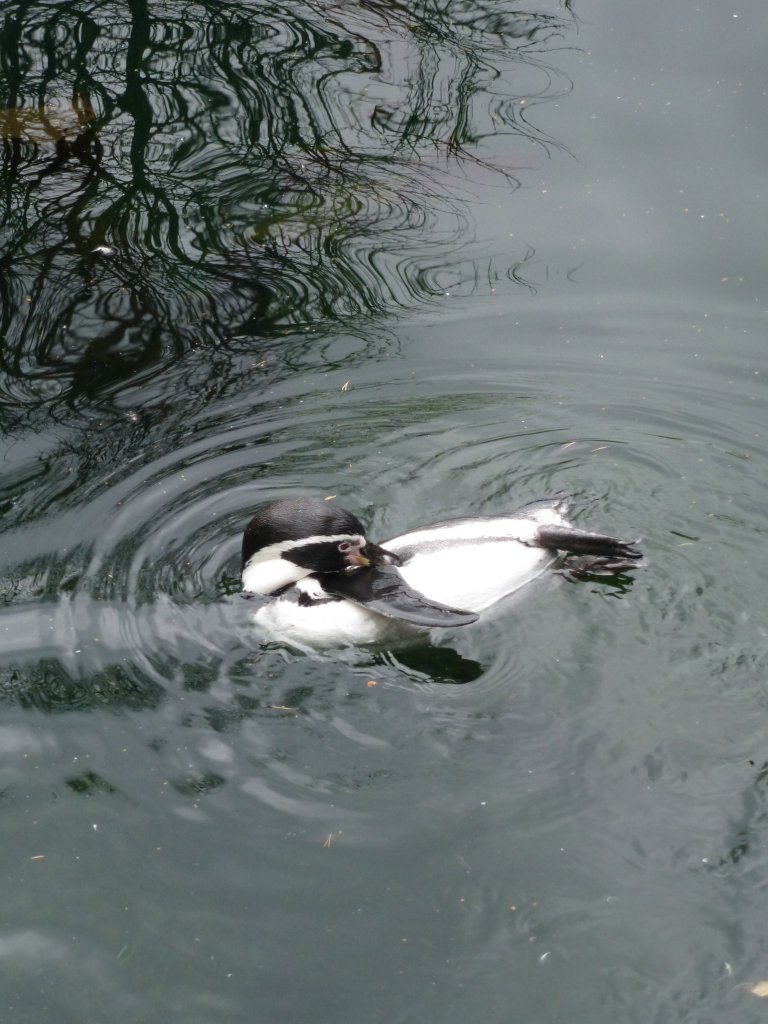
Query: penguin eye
x=344 y=547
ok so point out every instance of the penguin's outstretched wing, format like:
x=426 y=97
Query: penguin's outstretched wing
x=382 y=589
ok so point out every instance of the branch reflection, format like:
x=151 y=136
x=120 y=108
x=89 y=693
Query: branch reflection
x=177 y=176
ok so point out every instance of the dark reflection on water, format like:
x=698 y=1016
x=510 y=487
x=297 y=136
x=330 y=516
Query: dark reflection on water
x=178 y=176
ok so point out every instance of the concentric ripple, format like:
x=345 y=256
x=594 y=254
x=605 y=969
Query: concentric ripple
x=154 y=534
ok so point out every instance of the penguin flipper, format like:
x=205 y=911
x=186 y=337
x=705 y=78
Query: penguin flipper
x=382 y=589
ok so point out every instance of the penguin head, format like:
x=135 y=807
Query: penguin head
x=287 y=540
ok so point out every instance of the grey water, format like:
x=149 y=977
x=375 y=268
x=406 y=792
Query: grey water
x=435 y=260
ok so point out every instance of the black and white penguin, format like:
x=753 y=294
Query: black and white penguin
x=326 y=584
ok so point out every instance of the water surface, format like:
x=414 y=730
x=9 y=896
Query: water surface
x=430 y=261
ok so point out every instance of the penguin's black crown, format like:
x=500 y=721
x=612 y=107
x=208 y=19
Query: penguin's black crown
x=281 y=524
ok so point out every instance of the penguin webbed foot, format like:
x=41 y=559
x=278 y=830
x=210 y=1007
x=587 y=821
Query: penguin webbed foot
x=605 y=550
x=583 y=567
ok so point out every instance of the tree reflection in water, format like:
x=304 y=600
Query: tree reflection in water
x=197 y=175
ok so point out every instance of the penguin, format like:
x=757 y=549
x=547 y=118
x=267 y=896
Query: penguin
x=325 y=584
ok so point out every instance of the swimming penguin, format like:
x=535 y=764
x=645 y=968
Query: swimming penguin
x=326 y=584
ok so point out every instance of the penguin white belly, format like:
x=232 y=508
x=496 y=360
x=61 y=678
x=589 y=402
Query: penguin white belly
x=472 y=563
x=337 y=623
x=475 y=576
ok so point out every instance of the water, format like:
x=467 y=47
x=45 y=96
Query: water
x=430 y=261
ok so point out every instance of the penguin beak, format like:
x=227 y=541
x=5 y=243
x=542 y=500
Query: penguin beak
x=374 y=554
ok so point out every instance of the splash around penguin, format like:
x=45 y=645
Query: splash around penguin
x=325 y=584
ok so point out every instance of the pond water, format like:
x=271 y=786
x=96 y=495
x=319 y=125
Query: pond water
x=432 y=260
